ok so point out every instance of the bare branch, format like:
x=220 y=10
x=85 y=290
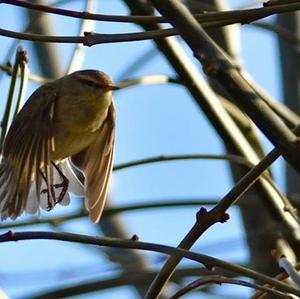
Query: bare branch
x=206 y=260
x=240 y=16
x=217 y=279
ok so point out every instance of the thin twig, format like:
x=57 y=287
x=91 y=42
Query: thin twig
x=242 y=15
x=158 y=159
x=163 y=158
x=24 y=74
x=79 y=51
x=282 y=276
x=217 y=279
x=20 y=56
x=206 y=260
x=134 y=66
x=90 y=38
x=36 y=78
x=118 y=280
x=288 y=207
x=206 y=219
x=282 y=32
x=111 y=211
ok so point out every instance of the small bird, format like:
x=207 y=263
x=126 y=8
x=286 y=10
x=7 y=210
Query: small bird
x=64 y=123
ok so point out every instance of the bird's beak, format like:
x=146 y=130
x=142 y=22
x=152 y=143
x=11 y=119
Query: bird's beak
x=112 y=87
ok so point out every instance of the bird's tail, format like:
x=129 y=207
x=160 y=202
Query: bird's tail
x=36 y=195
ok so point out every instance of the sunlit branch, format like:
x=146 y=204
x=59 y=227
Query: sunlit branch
x=20 y=59
x=287 y=266
x=24 y=74
x=36 y=78
x=145 y=80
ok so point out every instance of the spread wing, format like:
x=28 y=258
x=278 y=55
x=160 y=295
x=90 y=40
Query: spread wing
x=25 y=152
x=96 y=164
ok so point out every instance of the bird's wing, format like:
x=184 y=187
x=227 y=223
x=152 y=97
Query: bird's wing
x=96 y=164
x=75 y=187
x=25 y=152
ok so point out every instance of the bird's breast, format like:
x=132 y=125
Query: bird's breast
x=77 y=126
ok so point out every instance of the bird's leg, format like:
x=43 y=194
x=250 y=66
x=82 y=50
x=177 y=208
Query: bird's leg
x=50 y=206
x=64 y=184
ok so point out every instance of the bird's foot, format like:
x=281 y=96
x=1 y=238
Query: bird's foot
x=64 y=188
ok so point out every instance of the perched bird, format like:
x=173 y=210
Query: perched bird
x=64 y=123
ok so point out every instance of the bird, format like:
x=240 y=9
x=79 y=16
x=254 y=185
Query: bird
x=66 y=126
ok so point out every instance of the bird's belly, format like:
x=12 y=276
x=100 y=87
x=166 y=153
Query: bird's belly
x=71 y=143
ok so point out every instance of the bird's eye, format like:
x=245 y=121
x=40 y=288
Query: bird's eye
x=90 y=83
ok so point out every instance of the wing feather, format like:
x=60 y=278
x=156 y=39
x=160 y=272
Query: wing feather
x=96 y=164
x=75 y=185
x=22 y=157
x=96 y=211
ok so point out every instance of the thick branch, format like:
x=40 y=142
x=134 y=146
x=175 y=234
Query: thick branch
x=216 y=63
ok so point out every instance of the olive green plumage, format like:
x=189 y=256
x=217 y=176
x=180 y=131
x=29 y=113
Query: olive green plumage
x=72 y=117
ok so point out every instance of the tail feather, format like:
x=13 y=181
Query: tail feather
x=12 y=202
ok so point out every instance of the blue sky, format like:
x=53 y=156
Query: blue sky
x=151 y=120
